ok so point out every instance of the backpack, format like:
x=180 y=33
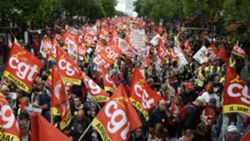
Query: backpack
x=183 y=111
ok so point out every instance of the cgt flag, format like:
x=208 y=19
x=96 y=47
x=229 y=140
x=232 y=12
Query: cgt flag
x=46 y=46
x=97 y=93
x=246 y=137
x=142 y=96
x=22 y=67
x=108 y=83
x=117 y=118
x=59 y=99
x=42 y=130
x=222 y=53
x=67 y=67
x=162 y=52
x=236 y=94
x=106 y=55
x=10 y=130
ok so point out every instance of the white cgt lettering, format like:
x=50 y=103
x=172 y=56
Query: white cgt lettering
x=110 y=53
x=244 y=94
x=8 y=120
x=109 y=80
x=112 y=112
x=94 y=88
x=57 y=90
x=66 y=66
x=231 y=88
x=23 y=70
x=142 y=93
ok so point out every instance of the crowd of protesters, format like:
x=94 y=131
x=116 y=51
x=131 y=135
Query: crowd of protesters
x=191 y=108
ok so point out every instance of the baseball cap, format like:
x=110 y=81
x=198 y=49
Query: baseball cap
x=189 y=85
x=232 y=129
x=201 y=99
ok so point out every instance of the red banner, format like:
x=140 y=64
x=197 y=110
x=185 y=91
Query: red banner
x=246 y=137
x=67 y=68
x=117 y=118
x=46 y=46
x=74 y=45
x=104 y=34
x=10 y=130
x=239 y=51
x=236 y=94
x=222 y=53
x=162 y=52
x=59 y=99
x=22 y=67
x=42 y=130
x=126 y=48
x=89 y=40
x=97 y=93
x=142 y=96
x=106 y=56
x=108 y=83
x=52 y=53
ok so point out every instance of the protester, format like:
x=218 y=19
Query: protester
x=231 y=135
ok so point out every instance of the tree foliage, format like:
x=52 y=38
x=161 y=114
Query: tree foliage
x=158 y=9
x=48 y=10
x=222 y=11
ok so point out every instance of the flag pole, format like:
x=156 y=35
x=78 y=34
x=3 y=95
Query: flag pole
x=85 y=131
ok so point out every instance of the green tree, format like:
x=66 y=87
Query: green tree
x=236 y=11
x=158 y=9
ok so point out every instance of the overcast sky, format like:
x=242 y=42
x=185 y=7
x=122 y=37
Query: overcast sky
x=120 y=5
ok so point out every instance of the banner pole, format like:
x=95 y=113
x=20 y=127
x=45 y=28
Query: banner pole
x=51 y=118
x=85 y=131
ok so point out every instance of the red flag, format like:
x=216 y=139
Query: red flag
x=126 y=48
x=67 y=67
x=22 y=67
x=236 y=94
x=238 y=51
x=71 y=43
x=107 y=55
x=142 y=96
x=89 y=40
x=42 y=130
x=53 y=52
x=213 y=48
x=97 y=93
x=162 y=52
x=246 y=137
x=117 y=118
x=59 y=99
x=104 y=34
x=108 y=83
x=222 y=53
x=212 y=51
x=46 y=46
x=187 y=48
x=10 y=130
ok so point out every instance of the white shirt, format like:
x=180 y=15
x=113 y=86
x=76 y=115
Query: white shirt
x=208 y=96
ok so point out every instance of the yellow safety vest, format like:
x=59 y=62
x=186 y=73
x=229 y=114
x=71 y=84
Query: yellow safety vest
x=232 y=62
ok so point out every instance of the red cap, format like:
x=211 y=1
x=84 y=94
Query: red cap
x=209 y=86
x=188 y=85
x=204 y=64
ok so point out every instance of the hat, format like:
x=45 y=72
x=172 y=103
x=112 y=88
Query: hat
x=189 y=85
x=232 y=129
x=162 y=102
x=209 y=87
x=5 y=88
x=201 y=99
